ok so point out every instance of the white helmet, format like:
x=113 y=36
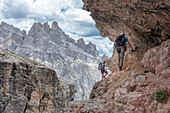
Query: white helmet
x=122 y=34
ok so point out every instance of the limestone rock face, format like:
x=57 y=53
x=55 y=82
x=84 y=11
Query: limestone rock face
x=81 y=43
x=157 y=59
x=143 y=22
x=133 y=90
x=74 y=61
x=145 y=75
x=28 y=87
x=89 y=48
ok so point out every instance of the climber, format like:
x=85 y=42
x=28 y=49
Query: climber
x=120 y=45
x=103 y=70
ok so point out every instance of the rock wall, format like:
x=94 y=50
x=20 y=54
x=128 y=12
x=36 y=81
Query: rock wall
x=143 y=86
x=29 y=87
x=143 y=22
x=138 y=90
x=157 y=59
x=74 y=61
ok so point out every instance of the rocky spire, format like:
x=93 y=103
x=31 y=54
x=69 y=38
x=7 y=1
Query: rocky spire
x=23 y=33
x=57 y=50
x=46 y=28
x=35 y=28
x=81 y=43
x=4 y=24
x=38 y=27
x=55 y=25
x=56 y=31
x=91 y=49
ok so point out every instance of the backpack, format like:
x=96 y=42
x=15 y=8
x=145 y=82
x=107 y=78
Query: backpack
x=119 y=41
x=100 y=66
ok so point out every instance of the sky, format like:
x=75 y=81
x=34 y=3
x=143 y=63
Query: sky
x=69 y=15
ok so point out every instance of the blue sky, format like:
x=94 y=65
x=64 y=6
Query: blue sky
x=72 y=19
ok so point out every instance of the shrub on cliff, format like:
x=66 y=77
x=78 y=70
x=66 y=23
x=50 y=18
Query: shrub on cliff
x=161 y=94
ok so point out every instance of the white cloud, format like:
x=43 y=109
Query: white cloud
x=68 y=13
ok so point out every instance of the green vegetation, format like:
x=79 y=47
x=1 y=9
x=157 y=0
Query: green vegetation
x=161 y=94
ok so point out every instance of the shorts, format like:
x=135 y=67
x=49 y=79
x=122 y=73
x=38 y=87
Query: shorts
x=103 y=71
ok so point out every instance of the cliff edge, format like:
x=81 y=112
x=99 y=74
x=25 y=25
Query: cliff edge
x=29 y=87
x=143 y=86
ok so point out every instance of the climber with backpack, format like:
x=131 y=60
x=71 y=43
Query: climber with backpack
x=120 y=45
x=102 y=68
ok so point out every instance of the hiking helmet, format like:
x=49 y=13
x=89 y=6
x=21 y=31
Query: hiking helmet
x=122 y=34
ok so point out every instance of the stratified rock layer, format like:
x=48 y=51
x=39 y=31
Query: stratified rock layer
x=28 y=87
x=134 y=90
x=145 y=73
x=158 y=59
x=146 y=23
x=76 y=62
x=143 y=21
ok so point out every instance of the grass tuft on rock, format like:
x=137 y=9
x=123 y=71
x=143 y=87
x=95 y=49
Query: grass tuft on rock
x=161 y=94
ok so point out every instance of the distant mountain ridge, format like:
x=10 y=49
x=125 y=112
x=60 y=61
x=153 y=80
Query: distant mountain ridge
x=75 y=61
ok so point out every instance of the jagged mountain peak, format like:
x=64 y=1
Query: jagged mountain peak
x=4 y=23
x=89 y=48
x=91 y=45
x=46 y=27
x=55 y=25
x=55 y=49
x=9 y=27
x=38 y=27
x=80 y=42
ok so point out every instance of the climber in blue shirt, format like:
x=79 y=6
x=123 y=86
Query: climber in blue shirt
x=120 y=45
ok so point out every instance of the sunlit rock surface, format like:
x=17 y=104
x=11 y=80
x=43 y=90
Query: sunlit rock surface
x=74 y=61
x=145 y=72
x=28 y=87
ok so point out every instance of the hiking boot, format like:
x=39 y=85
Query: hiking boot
x=120 y=68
